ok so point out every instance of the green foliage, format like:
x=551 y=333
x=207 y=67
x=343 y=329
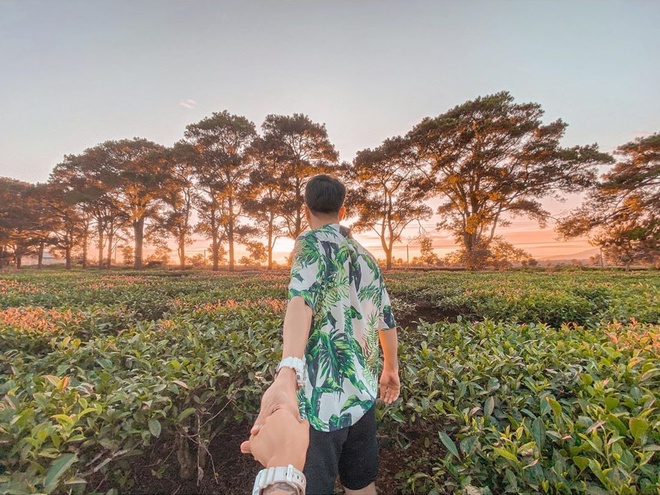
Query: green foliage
x=98 y=366
x=532 y=409
x=583 y=297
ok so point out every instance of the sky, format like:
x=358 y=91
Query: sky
x=76 y=73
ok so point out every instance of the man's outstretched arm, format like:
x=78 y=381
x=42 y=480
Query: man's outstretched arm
x=282 y=392
x=390 y=385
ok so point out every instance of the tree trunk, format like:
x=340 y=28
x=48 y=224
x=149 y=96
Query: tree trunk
x=270 y=245
x=84 y=253
x=386 y=248
x=40 y=255
x=67 y=257
x=138 y=232
x=100 y=248
x=111 y=239
x=215 y=247
x=182 y=250
x=18 y=257
x=230 y=234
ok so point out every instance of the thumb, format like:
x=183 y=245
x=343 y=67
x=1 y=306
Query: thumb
x=246 y=448
x=258 y=423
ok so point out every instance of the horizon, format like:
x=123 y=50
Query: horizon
x=78 y=74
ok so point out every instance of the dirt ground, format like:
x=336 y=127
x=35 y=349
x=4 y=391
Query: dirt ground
x=157 y=472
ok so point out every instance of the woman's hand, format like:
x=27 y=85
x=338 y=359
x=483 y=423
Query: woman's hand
x=281 y=440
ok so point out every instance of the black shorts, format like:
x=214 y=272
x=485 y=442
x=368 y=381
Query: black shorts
x=350 y=452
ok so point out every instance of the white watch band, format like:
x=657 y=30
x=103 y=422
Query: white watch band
x=281 y=474
x=298 y=365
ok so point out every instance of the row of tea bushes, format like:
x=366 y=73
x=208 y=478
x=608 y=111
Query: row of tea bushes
x=491 y=407
x=530 y=409
x=584 y=297
x=97 y=366
x=86 y=407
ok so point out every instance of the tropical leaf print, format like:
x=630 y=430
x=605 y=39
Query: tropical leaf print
x=354 y=400
x=388 y=317
x=307 y=252
x=357 y=350
x=343 y=285
x=369 y=293
x=339 y=422
x=372 y=264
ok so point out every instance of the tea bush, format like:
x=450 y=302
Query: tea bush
x=532 y=409
x=513 y=382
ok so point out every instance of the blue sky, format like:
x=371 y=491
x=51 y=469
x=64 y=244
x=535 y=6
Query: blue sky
x=76 y=73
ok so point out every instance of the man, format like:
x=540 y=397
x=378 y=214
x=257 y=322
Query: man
x=338 y=311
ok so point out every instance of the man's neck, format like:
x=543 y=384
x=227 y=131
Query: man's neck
x=317 y=223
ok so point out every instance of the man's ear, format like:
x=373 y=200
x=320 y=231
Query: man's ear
x=342 y=213
x=308 y=214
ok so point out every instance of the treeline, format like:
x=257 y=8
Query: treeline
x=487 y=160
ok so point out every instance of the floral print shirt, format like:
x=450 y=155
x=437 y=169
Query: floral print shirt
x=343 y=285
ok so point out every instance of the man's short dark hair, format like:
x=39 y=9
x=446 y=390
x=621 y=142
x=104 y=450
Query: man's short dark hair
x=324 y=194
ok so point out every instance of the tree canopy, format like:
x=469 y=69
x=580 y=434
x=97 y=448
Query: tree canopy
x=621 y=212
x=382 y=197
x=484 y=162
x=301 y=148
x=492 y=157
x=222 y=170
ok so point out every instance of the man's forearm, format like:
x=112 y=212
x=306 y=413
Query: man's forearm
x=390 y=344
x=297 y=322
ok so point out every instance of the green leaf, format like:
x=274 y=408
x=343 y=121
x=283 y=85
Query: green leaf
x=63 y=419
x=154 y=427
x=186 y=413
x=53 y=380
x=57 y=470
x=506 y=454
x=638 y=427
x=511 y=478
x=616 y=424
x=594 y=465
x=449 y=443
x=611 y=403
x=581 y=462
x=555 y=406
x=489 y=406
x=538 y=432
x=468 y=444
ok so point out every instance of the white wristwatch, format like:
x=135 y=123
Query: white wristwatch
x=282 y=474
x=298 y=365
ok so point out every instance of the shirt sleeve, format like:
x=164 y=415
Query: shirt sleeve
x=387 y=321
x=306 y=271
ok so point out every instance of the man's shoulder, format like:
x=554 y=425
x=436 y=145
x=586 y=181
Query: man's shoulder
x=325 y=233
x=309 y=237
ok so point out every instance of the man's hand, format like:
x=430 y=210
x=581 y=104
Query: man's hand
x=283 y=440
x=280 y=395
x=390 y=386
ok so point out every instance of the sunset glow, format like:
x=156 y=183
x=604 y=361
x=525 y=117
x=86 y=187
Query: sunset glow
x=77 y=74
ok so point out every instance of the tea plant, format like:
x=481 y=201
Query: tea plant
x=512 y=383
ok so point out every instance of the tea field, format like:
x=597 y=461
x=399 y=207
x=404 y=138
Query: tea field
x=146 y=382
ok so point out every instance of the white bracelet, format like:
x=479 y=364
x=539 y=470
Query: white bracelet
x=281 y=474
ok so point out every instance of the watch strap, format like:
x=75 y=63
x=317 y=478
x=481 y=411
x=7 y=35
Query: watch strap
x=281 y=474
x=298 y=365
